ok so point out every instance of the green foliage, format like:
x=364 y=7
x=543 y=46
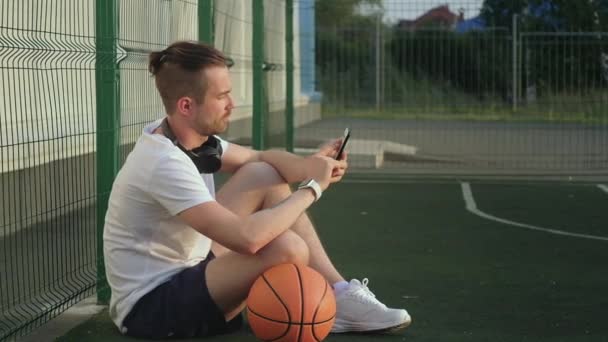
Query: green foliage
x=602 y=13
x=548 y=15
x=476 y=62
x=336 y=13
x=341 y=49
x=344 y=32
x=480 y=63
x=565 y=64
x=499 y=13
x=438 y=71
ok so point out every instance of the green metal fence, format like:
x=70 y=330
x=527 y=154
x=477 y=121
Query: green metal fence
x=255 y=37
x=74 y=97
x=47 y=175
x=425 y=89
x=465 y=88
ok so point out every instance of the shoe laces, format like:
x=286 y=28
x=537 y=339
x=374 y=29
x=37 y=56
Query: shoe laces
x=362 y=293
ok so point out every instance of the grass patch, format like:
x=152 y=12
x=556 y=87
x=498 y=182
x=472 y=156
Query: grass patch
x=353 y=94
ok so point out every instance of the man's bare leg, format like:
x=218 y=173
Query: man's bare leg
x=254 y=187
x=258 y=186
x=262 y=187
x=230 y=276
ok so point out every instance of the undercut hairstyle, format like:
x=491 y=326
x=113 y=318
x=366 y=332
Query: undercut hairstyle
x=179 y=71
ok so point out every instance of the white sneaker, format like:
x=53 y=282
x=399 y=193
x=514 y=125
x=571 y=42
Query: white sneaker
x=358 y=310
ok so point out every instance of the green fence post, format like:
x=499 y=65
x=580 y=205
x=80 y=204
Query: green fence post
x=258 y=75
x=289 y=105
x=108 y=123
x=205 y=21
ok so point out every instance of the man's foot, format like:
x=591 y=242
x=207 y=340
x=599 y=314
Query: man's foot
x=358 y=310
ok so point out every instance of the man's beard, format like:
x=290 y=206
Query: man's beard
x=206 y=130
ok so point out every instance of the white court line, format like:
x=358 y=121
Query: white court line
x=603 y=187
x=472 y=207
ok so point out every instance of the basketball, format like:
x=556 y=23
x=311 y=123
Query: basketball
x=291 y=303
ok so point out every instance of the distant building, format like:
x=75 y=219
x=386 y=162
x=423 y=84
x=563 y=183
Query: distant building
x=440 y=17
x=474 y=24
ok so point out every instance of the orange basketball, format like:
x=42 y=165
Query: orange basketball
x=291 y=303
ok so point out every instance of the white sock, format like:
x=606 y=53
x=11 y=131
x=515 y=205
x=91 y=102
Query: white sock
x=340 y=286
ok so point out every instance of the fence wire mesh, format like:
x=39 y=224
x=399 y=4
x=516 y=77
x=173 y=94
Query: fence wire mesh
x=234 y=36
x=47 y=232
x=147 y=26
x=48 y=60
x=464 y=87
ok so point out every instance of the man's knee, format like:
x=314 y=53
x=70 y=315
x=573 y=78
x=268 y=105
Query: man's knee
x=254 y=186
x=262 y=171
x=268 y=178
x=288 y=247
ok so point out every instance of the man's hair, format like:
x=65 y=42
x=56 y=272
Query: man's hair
x=179 y=71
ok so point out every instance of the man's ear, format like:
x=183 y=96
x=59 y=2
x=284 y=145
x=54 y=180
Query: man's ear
x=184 y=105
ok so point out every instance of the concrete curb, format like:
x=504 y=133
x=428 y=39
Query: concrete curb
x=68 y=320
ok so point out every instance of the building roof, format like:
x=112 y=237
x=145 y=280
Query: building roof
x=440 y=16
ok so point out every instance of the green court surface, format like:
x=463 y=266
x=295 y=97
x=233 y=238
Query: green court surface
x=525 y=262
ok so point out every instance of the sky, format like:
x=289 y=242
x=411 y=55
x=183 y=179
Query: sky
x=411 y=9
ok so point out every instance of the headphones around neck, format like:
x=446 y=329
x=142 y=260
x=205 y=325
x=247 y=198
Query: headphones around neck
x=207 y=158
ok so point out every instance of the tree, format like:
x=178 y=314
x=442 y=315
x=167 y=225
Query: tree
x=345 y=35
x=548 y=15
x=601 y=14
x=499 y=13
x=330 y=13
x=577 y=15
x=577 y=63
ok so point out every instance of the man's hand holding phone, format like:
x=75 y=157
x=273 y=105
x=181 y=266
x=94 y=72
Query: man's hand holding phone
x=335 y=150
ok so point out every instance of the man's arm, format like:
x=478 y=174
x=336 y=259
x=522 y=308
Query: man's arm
x=247 y=235
x=290 y=166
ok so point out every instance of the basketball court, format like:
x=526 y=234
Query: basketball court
x=470 y=260
x=478 y=162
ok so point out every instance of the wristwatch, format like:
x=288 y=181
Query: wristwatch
x=312 y=184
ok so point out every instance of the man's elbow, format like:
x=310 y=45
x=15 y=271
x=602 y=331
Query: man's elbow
x=248 y=244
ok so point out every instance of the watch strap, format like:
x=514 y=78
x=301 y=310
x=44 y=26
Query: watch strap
x=312 y=184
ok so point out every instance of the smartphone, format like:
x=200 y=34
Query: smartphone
x=344 y=141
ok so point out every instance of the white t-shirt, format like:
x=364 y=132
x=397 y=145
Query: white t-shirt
x=145 y=244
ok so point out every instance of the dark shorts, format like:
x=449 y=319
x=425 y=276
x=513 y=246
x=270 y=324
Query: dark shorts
x=180 y=308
